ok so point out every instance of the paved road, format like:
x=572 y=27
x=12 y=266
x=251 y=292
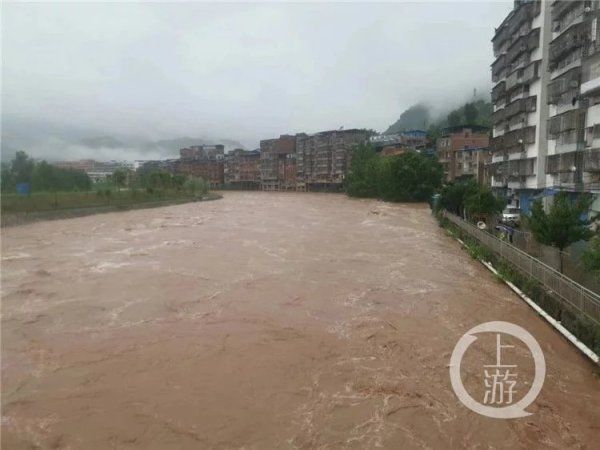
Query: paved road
x=264 y=320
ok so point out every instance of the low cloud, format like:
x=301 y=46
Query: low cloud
x=145 y=72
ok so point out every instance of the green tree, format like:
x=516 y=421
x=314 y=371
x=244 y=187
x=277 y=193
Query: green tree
x=47 y=177
x=178 y=182
x=454 y=118
x=43 y=177
x=564 y=224
x=362 y=177
x=7 y=178
x=453 y=196
x=404 y=178
x=434 y=132
x=483 y=201
x=591 y=257
x=119 y=177
x=409 y=177
x=471 y=113
x=22 y=167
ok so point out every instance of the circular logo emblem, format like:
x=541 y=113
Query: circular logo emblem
x=499 y=378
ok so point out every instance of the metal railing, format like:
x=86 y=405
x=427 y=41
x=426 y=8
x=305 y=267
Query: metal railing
x=576 y=295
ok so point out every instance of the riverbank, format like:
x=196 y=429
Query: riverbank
x=45 y=206
x=571 y=315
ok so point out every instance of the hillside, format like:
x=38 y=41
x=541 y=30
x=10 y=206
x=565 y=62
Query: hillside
x=419 y=116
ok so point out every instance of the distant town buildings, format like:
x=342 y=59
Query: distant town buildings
x=464 y=153
x=397 y=144
x=299 y=162
x=303 y=161
x=96 y=170
x=202 y=153
x=546 y=93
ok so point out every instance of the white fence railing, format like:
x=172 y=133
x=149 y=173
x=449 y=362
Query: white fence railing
x=576 y=295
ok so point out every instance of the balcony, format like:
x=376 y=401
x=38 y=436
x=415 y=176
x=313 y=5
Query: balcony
x=514 y=141
x=591 y=160
x=565 y=14
x=498 y=91
x=517 y=23
x=562 y=8
x=513 y=170
x=590 y=76
x=523 y=76
x=569 y=121
x=592 y=116
x=575 y=37
x=518 y=121
x=566 y=82
x=518 y=107
x=497 y=66
x=523 y=105
x=564 y=162
x=524 y=43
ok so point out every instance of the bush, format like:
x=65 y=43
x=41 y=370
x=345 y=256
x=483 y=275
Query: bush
x=196 y=186
x=591 y=257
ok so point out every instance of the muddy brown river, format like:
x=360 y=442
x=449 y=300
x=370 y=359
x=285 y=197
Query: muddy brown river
x=263 y=320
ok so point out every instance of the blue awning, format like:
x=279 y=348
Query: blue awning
x=548 y=192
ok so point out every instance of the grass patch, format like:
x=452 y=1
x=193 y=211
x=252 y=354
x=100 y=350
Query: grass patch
x=18 y=210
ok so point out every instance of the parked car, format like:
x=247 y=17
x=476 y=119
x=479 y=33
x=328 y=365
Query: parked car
x=511 y=216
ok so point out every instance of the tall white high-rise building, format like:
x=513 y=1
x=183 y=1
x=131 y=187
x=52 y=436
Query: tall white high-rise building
x=546 y=96
x=573 y=161
x=519 y=96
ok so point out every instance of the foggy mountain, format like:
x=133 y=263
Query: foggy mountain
x=421 y=116
x=53 y=142
x=417 y=117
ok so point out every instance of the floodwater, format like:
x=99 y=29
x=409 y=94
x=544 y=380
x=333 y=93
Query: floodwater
x=263 y=320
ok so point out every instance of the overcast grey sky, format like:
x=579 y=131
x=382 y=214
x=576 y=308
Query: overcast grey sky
x=240 y=71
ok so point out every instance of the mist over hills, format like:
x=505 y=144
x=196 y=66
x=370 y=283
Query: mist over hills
x=421 y=116
x=54 y=142
x=417 y=117
x=43 y=139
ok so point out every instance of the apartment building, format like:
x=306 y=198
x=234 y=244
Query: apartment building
x=211 y=152
x=573 y=160
x=519 y=95
x=322 y=159
x=464 y=153
x=278 y=163
x=546 y=99
x=242 y=169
